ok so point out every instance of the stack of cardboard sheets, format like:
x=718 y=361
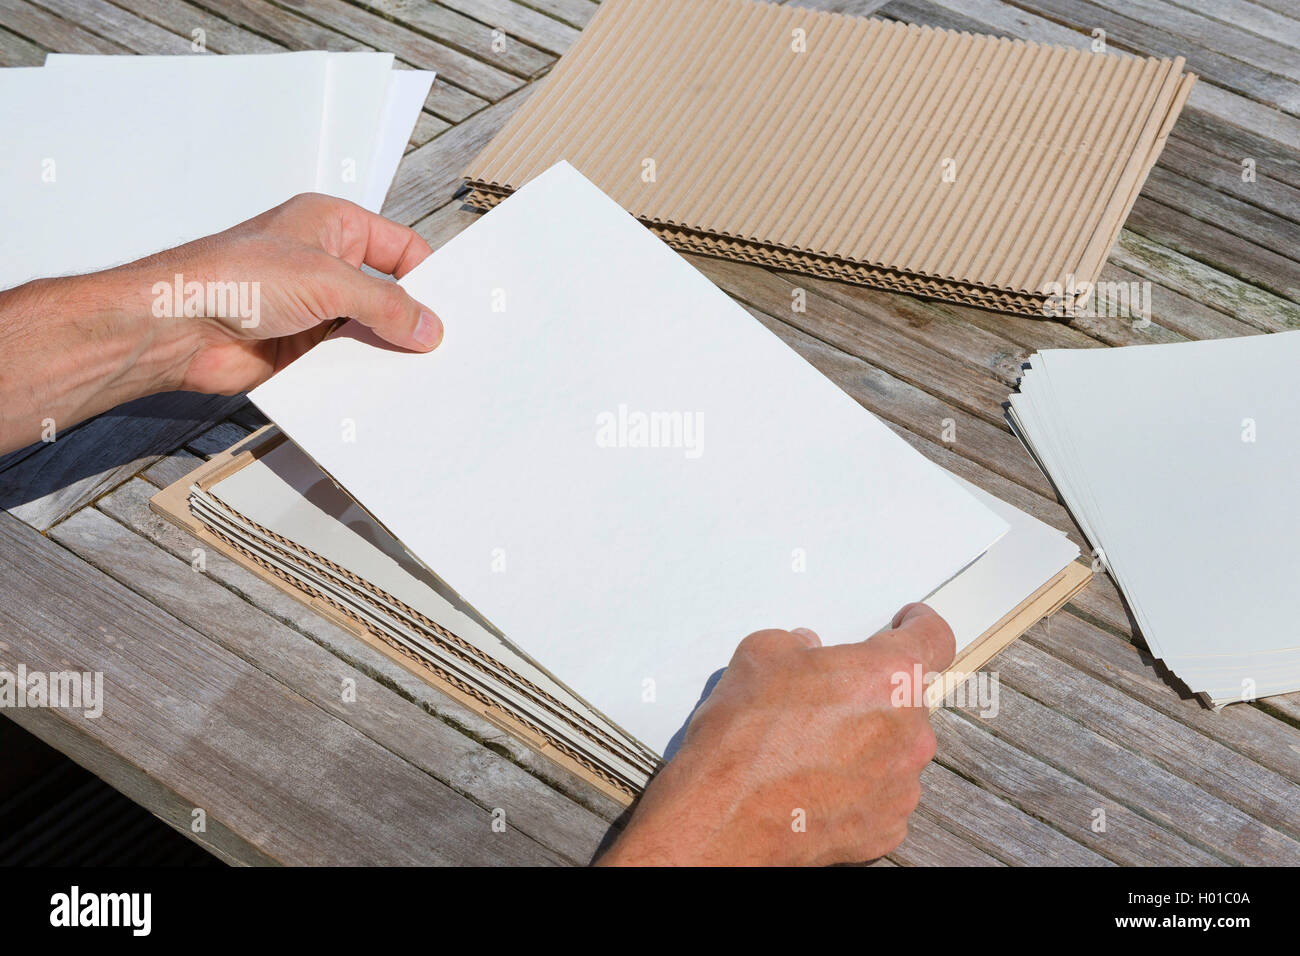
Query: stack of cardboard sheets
x=969 y=168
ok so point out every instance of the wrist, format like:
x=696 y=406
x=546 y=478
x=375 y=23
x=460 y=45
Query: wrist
x=674 y=824
x=108 y=328
x=91 y=343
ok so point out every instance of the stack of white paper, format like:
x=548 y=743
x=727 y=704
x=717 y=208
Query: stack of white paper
x=623 y=471
x=1181 y=464
x=110 y=158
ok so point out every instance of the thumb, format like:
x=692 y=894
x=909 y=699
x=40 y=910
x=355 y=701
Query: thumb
x=385 y=307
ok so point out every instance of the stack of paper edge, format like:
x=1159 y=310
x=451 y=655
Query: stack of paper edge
x=120 y=157
x=1179 y=463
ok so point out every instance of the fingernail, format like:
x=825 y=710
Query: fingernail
x=808 y=635
x=909 y=611
x=428 y=331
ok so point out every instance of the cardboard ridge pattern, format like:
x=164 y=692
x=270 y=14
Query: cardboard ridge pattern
x=973 y=169
x=451 y=664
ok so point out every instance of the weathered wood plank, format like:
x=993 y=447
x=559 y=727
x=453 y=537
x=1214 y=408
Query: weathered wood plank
x=1178 y=313
x=186 y=724
x=118 y=25
x=1262 y=52
x=1250 y=15
x=1207 y=242
x=576 y=13
x=1224 y=175
x=461 y=33
x=219 y=36
x=430 y=175
x=426 y=128
x=1246 y=729
x=518 y=20
x=993 y=825
x=19 y=51
x=1204 y=283
x=929 y=844
x=396 y=724
x=1108 y=712
x=52 y=32
x=458 y=48
x=1260 y=227
x=170 y=468
x=296 y=33
x=275 y=23
x=82 y=464
x=216 y=439
x=1051 y=794
x=1133 y=779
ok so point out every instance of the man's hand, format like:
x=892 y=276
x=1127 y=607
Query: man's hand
x=307 y=256
x=73 y=347
x=799 y=756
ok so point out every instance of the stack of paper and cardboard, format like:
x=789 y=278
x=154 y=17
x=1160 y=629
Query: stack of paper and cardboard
x=569 y=514
x=1180 y=463
x=123 y=156
x=968 y=168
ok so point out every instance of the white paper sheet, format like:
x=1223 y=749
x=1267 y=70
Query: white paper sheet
x=109 y=168
x=510 y=460
x=356 y=92
x=1180 y=463
x=365 y=107
x=1029 y=555
x=285 y=492
x=407 y=91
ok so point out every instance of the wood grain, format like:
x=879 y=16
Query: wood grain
x=223 y=690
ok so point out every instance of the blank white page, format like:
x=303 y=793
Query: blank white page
x=356 y=93
x=366 y=115
x=511 y=463
x=1186 y=457
x=118 y=163
x=407 y=91
x=1029 y=555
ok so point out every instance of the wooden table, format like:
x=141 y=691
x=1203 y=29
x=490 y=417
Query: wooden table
x=226 y=696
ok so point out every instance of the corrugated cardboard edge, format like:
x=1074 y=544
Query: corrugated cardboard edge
x=172 y=503
x=826 y=268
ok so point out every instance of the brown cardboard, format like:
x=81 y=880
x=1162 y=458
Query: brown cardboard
x=818 y=142
x=172 y=503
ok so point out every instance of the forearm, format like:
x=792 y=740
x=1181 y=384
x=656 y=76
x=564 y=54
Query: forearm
x=73 y=347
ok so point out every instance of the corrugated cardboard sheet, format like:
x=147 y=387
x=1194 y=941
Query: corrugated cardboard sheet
x=967 y=168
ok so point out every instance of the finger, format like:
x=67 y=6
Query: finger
x=809 y=636
x=772 y=641
x=380 y=243
x=920 y=634
x=905 y=610
x=381 y=305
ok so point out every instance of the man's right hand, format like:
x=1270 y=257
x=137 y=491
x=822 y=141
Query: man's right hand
x=801 y=755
